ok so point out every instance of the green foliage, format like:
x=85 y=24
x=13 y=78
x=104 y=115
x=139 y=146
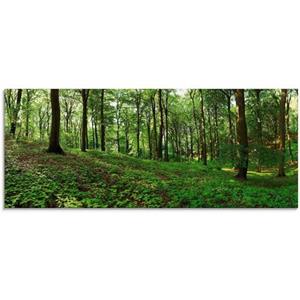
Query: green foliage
x=98 y=180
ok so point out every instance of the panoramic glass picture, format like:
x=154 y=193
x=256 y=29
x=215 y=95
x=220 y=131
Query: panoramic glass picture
x=151 y=148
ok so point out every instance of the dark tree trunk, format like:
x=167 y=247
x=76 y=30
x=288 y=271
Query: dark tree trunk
x=84 y=94
x=204 y=147
x=161 y=125
x=102 y=121
x=192 y=96
x=96 y=134
x=192 y=142
x=27 y=114
x=242 y=137
x=13 y=126
x=259 y=128
x=288 y=129
x=118 y=124
x=54 y=146
x=231 y=131
x=154 y=126
x=282 y=132
x=138 y=122
x=167 y=127
x=148 y=121
x=217 y=142
x=211 y=142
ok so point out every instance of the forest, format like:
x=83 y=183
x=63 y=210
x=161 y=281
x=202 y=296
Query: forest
x=151 y=148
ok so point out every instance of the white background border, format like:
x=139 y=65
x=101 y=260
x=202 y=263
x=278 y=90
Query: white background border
x=149 y=254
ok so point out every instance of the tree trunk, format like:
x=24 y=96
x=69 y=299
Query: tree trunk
x=84 y=94
x=283 y=98
x=217 y=142
x=211 y=142
x=13 y=126
x=154 y=126
x=161 y=125
x=259 y=128
x=167 y=127
x=192 y=95
x=192 y=142
x=204 y=147
x=102 y=121
x=27 y=114
x=138 y=122
x=54 y=146
x=288 y=128
x=242 y=137
x=231 y=134
x=148 y=121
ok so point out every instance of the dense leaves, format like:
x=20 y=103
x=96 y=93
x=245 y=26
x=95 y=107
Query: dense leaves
x=35 y=178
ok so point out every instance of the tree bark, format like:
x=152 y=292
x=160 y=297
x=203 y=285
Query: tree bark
x=13 y=126
x=217 y=142
x=161 y=125
x=242 y=136
x=204 y=146
x=155 y=152
x=27 y=114
x=138 y=122
x=54 y=146
x=211 y=142
x=288 y=128
x=167 y=127
x=259 y=128
x=282 y=132
x=102 y=121
x=192 y=96
x=84 y=94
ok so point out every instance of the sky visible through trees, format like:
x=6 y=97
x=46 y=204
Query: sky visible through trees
x=151 y=147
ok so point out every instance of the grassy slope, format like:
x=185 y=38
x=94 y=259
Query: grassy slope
x=35 y=178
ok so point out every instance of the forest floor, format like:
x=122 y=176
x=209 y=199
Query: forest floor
x=35 y=178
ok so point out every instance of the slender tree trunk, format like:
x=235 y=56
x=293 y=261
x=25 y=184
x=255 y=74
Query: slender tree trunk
x=118 y=125
x=231 y=131
x=138 y=123
x=211 y=142
x=154 y=126
x=102 y=121
x=242 y=137
x=27 y=114
x=288 y=128
x=282 y=132
x=148 y=121
x=204 y=146
x=161 y=125
x=167 y=127
x=96 y=134
x=54 y=146
x=84 y=94
x=217 y=142
x=259 y=128
x=13 y=126
x=192 y=142
x=196 y=125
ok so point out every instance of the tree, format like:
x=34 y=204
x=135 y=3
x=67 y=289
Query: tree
x=204 y=148
x=85 y=95
x=283 y=98
x=161 y=125
x=242 y=137
x=167 y=126
x=138 y=99
x=152 y=100
x=54 y=146
x=16 y=113
x=102 y=120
